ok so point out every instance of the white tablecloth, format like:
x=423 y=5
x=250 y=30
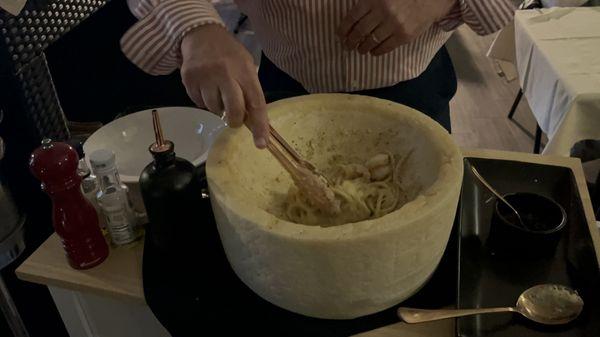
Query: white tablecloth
x=558 y=60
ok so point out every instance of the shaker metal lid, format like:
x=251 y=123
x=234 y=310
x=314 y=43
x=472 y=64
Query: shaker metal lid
x=102 y=160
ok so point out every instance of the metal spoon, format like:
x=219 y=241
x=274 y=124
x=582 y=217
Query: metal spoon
x=498 y=195
x=545 y=303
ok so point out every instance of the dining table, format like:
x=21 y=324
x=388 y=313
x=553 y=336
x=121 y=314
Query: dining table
x=140 y=292
x=555 y=51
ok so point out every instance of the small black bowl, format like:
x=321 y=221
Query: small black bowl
x=543 y=221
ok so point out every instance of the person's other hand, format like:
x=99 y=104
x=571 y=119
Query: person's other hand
x=218 y=73
x=380 y=26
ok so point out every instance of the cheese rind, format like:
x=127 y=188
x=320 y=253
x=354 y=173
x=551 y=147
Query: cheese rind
x=345 y=271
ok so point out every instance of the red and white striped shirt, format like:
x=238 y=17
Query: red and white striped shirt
x=299 y=37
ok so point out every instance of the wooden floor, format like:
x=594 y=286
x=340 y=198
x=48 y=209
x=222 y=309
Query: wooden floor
x=481 y=105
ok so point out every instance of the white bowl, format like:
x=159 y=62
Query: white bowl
x=192 y=130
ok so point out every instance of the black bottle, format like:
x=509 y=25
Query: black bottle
x=172 y=195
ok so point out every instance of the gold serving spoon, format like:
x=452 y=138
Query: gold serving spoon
x=545 y=303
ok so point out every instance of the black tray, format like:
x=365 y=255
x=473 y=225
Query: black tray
x=487 y=280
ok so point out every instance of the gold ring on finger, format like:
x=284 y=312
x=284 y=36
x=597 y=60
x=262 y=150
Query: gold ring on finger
x=224 y=117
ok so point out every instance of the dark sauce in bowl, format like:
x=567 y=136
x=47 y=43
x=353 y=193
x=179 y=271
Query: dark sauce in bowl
x=543 y=220
x=538 y=213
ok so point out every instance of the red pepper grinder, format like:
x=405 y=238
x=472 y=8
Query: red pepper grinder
x=75 y=220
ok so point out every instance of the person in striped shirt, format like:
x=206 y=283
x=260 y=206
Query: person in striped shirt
x=392 y=49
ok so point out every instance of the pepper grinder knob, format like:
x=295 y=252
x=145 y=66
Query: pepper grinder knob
x=55 y=165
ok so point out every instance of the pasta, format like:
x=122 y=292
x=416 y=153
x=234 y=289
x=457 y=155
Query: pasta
x=365 y=191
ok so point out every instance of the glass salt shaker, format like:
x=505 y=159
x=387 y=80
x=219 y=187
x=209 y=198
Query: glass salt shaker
x=90 y=188
x=113 y=198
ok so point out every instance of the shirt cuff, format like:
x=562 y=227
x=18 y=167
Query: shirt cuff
x=153 y=44
x=482 y=16
x=453 y=19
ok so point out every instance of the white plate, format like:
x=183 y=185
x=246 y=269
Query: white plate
x=192 y=130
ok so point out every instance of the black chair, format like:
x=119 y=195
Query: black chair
x=589 y=150
x=538 y=131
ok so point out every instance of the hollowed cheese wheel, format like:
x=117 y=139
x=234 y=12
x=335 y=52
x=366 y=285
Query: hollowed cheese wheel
x=344 y=271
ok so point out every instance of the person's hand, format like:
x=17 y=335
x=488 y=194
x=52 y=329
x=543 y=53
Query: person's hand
x=218 y=73
x=380 y=26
